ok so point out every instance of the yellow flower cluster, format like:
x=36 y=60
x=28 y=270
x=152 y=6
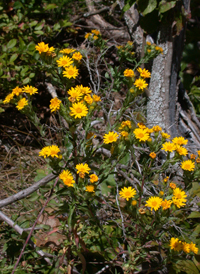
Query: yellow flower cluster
x=67 y=178
x=50 y=151
x=93 y=35
x=177 y=245
x=54 y=104
x=127 y=193
x=153 y=49
x=44 y=48
x=110 y=137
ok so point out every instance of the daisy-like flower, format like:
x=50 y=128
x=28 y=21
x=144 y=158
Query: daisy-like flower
x=88 y=35
x=166 y=179
x=30 y=90
x=198 y=160
x=188 y=165
x=157 y=128
x=44 y=152
x=179 y=141
x=159 y=49
x=50 y=51
x=142 y=211
x=198 y=151
x=75 y=94
x=152 y=155
x=193 y=248
x=129 y=73
x=168 y=147
x=179 y=194
x=95 y=37
x=8 y=98
x=17 y=91
x=192 y=156
x=126 y=123
x=77 y=56
x=70 y=72
x=154 y=203
x=78 y=110
x=93 y=178
x=127 y=193
x=141 y=125
x=144 y=73
x=64 y=61
x=95 y=31
x=96 y=98
x=88 y=99
x=90 y=188
x=82 y=169
x=134 y=203
x=67 y=51
x=67 y=178
x=186 y=247
x=141 y=134
x=176 y=244
x=178 y=202
x=148 y=43
x=172 y=185
x=166 y=204
x=42 y=47
x=22 y=103
x=110 y=137
x=165 y=135
x=181 y=150
x=53 y=151
x=140 y=83
x=54 y=104
x=124 y=133
x=83 y=90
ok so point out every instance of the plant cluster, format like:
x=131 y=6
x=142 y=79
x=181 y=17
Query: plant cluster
x=125 y=190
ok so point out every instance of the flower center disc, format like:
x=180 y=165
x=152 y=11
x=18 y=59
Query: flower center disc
x=78 y=110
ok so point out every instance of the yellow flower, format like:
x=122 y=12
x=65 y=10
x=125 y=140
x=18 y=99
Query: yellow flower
x=165 y=135
x=50 y=51
x=30 y=90
x=53 y=151
x=148 y=43
x=179 y=194
x=87 y=35
x=178 y=202
x=84 y=168
x=193 y=248
x=127 y=193
x=175 y=244
x=22 y=103
x=198 y=160
x=95 y=37
x=124 y=133
x=188 y=165
x=90 y=188
x=168 y=147
x=88 y=99
x=140 y=83
x=67 y=178
x=67 y=51
x=54 y=104
x=95 y=31
x=198 y=151
x=152 y=155
x=166 y=204
x=17 y=91
x=129 y=73
x=141 y=125
x=77 y=56
x=166 y=179
x=172 y=185
x=181 y=150
x=64 y=61
x=192 y=156
x=141 y=134
x=96 y=98
x=144 y=73
x=161 y=193
x=186 y=247
x=8 y=98
x=44 y=152
x=93 y=178
x=130 y=43
x=83 y=90
x=70 y=72
x=134 y=203
x=154 y=203
x=110 y=137
x=149 y=50
x=78 y=110
x=179 y=141
x=75 y=94
x=142 y=211
x=157 y=128
x=42 y=47
x=126 y=123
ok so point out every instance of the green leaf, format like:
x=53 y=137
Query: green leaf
x=39 y=32
x=165 y=5
x=186 y=266
x=13 y=57
x=126 y=7
x=51 y=7
x=26 y=80
x=194 y=214
x=56 y=26
x=11 y=43
x=146 y=7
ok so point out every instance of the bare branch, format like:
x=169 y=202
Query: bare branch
x=24 y=193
